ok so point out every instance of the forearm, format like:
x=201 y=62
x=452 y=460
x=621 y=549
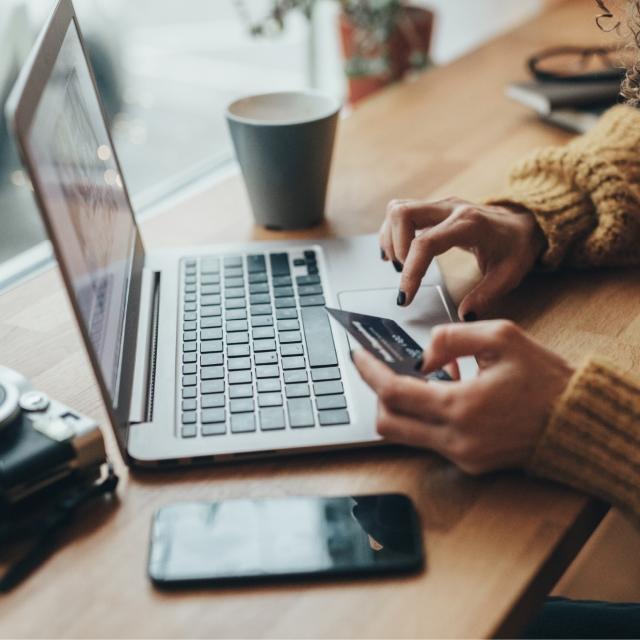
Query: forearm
x=592 y=440
x=585 y=196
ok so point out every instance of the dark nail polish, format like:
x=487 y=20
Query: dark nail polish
x=470 y=316
x=418 y=365
x=397 y=266
x=383 y=255
x=402 y=298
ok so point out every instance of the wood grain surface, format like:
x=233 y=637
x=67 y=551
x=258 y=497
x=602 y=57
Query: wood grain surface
x=494 y=545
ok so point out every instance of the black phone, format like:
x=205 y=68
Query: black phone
x=271 y=538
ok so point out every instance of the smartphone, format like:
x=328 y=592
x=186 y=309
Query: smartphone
x=273 y=538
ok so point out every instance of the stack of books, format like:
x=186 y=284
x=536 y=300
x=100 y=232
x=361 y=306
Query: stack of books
x=572 y=105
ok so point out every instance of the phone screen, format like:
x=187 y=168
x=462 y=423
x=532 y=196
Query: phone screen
x=278 y=537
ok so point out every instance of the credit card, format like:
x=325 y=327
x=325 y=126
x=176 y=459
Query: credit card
x=387 y=341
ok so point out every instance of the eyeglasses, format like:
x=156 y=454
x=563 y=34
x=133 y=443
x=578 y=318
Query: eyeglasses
x=577 y=64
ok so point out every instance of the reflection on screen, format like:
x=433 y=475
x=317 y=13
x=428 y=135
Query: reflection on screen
x=89 y=214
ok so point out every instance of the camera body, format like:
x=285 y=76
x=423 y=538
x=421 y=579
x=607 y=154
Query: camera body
x=42 y=441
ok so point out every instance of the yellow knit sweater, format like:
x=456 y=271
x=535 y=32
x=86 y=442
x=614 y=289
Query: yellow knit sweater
x=586 y=199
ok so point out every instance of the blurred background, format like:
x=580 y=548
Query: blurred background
x=166 y=70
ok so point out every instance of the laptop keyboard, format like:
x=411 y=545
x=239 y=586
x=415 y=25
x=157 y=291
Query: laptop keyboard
x=257 y=347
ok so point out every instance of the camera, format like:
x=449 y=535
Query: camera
x=42 y=442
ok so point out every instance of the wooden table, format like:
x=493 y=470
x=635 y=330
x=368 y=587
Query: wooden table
x=495 y=545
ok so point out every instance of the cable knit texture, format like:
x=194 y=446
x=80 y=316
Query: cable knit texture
x=586 y=199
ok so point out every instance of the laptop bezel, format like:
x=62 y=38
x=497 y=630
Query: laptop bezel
x=21 y=108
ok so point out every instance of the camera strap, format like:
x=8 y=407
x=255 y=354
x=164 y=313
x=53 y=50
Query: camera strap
x=44 y=530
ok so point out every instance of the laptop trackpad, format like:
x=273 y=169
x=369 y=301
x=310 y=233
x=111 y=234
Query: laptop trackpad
x=427 y=310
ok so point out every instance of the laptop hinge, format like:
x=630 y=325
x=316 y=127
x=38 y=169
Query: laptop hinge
x=144 y=374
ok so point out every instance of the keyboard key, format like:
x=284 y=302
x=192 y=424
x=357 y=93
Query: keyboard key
x=235 y=292
x=299 y=262
x=189 y=357
x=189 y=431
x=209 y=300
x=210 y=278
x=189 y=381
x=237 y=325
x=261 y=310
x=328 y=388
x=259 y=298
x=240 y=377
x=272 y=419
x=305 y=280
x=188 y=347
x=190 y=306
x=293 y=362
x=210 y=289
x=241 y=337
x=270 y=399
x=212 y=400
x=281 y=281
x=211 y=346
x=189 y=369
x=260 y=333
x=212 y=415
x=279 y=264
x=232 y=261
x=309 y=254
x=236 y=303
x=317 y=332
x=208 y=312
x=331 y=402
x=255 y=278
x=286 y=314
x=241 y=405
x=291 y=349
x=295 y=375
x=266 y=357
x=326 y=373
x=338 y=416
x=264 y=345
x=189 y=336
x=288 y=325
x=241 y=391
x=285 y=303
x=190 y=326
x=211 y=359
x=231 y=283
x=267 y=385
x=190 y=297
x=214 y=429
x=210 y=323
x=310 y=290
x=267 y=371
x=210 y=265
x=188 y=417
x=297 y=391
x=236 y=314
x=212 y=386
x=256 y=263
x=190 y=315
x=289 y=336
x=243 y=422
x=189 y=405
x=258 y=287
x=233 y=272
x=312 y=269
x=261 y=321
x=312 y=301
x=238 y=364
x=189 y=392
x=237 y=350
x=190 y=288
x=211 y=373
x=300 y=413
x=210 y=334
x=283 y=292
x=190 y=279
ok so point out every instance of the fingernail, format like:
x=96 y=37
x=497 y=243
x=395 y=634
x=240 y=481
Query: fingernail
x=383 y=255
x=402 y=298
x=397 y=266
x=470 y=316
x=418 y=365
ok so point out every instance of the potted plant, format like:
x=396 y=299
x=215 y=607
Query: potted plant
x=381 y=39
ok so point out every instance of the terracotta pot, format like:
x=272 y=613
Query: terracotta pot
x=411 y=35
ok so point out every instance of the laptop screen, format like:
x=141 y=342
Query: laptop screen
x=89 y=214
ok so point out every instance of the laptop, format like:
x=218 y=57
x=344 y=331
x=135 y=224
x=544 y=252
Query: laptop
x=203 y=354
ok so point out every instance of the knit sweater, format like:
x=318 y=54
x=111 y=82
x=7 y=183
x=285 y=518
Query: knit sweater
x=585 y=197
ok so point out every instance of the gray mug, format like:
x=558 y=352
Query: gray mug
x=284 y=142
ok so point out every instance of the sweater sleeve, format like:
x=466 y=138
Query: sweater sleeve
x=592 y=440
x=586 y=195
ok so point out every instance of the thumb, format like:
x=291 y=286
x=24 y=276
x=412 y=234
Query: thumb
x=494 y=284
x=451 y=341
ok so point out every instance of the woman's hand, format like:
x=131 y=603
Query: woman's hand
x=490 y=422
x=506 y=244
